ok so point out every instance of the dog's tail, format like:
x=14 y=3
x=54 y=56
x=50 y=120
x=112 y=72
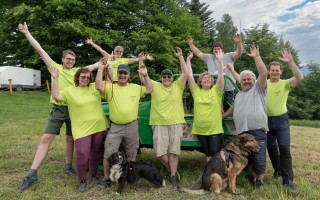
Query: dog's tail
x=190 y=191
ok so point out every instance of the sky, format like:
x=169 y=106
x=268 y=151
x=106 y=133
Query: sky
x=295 y=20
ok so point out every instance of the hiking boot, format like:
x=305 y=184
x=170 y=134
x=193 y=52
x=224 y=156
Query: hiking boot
x=173 y=180
x=27 y=182
x=277 y=175
x=251 y=180
x=290 y=187
x=70 y=171
x=94 y=179
x=105 y=183
x=82 y=186
x=259 y=183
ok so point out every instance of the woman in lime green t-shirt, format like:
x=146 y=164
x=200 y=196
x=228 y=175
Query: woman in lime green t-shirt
x=207 y=120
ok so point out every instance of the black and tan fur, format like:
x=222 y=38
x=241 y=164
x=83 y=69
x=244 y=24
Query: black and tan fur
x=226 y=165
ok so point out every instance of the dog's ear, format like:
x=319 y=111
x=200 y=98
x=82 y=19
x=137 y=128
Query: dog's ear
x=242 y=138
x=230 y=146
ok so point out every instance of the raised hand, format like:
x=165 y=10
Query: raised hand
x=237 y=38
x=179 y=52
x=54 y=72
x=230 y=67
x=254 y=51
x=23 y=28
x=219 y=55
x=190 y=40
x=190 y=55
x=143 y=70
x=89 y=41
x=104 y=63
x=286 y=55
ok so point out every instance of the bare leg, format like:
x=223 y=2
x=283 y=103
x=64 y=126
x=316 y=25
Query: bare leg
x=106 y=171
x=165 y=161
x=42 y=150
x=173 y=163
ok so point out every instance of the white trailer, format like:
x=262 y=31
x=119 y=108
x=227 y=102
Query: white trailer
x=21 y=78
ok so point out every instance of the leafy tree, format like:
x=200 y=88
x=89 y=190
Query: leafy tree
x=153 y=26
x=225 y=32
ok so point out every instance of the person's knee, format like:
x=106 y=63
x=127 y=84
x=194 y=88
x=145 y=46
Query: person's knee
x=47 y=139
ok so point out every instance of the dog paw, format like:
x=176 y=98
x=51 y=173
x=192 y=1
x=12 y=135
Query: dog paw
x=163 y=183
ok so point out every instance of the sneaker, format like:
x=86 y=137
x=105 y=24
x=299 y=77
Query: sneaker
x=82 y=186
x=105 y=183
x=277 y=175
x=251 y=180
x=259 y=183
x=173 y=180
x=94 y=179
x=70 y=171
x=28 y=182
x=290 y=187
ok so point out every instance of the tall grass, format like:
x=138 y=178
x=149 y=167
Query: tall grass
x=22 y=119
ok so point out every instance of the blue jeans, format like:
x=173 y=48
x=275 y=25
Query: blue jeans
x=258 y=159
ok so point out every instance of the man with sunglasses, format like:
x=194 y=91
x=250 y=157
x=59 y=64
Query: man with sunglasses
x=59 y=113
x=212 y=63
x=124 y=98
x=167 y=117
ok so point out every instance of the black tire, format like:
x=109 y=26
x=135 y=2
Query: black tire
x=19 y=88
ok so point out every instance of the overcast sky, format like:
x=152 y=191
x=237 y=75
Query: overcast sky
x=295 y=20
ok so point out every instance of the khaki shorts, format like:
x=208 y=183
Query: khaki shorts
x=167 y=139
x=58 y=115
x=128 y=133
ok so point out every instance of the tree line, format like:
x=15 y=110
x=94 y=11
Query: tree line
x=153 y=26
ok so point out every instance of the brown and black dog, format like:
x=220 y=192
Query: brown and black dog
x=226 y=164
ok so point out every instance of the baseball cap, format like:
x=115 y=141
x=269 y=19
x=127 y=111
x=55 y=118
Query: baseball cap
x=166 y=71
x=123 y=68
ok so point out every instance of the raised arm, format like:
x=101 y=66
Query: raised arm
x=191 y=80
x=103 y=64
x=97 y=47
x=239 y=49
x=220 y=81
x=183 y=65
x=297 y=74
x=235 y=74
x=147 y=82
x=194 y=49
x=23 y=28
x=55 y=84
x=262 y=70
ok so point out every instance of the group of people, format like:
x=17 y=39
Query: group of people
x=260 y=109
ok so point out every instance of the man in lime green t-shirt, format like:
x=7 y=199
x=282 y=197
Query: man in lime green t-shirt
x=124 y=101
x=167 y=117
x=59 y=113
x=278 y=137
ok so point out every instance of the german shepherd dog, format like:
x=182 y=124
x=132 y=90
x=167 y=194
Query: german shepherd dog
x=123 y=171
x=226 y=164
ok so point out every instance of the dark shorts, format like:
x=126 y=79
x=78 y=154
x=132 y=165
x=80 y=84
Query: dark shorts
x=279 y=130
x=58 y=115
x=258 y=159
x=210 y=144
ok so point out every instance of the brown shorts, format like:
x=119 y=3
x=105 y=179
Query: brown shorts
x=167 y=139
x=128 y=133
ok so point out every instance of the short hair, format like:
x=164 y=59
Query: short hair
x=201 y=76
x=275 y=63
x=66 y=52
x=118 y=47
x=217 y=44
x=247 y=72
x=77 y=75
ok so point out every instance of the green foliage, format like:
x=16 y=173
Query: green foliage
x=226 y=30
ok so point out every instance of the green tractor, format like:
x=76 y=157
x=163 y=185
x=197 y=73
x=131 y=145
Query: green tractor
x=189 y=141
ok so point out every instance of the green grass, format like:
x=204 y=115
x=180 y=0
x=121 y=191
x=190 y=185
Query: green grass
x=23 y=116
x=306 y=123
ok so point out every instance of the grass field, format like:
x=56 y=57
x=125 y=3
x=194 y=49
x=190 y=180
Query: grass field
x=22 y=119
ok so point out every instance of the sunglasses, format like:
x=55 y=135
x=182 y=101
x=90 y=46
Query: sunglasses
x=85 y=77
x=123 y=72
x=166 y=76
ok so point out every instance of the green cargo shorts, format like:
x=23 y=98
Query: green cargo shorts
x=58 y=115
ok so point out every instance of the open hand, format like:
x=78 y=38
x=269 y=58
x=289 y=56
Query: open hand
x=286 y=55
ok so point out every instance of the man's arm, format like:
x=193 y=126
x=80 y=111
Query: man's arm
x=191 y=80
x=228 y=113
x=97 y=47
x=239 y=49
x=194 y=49
x=23 y=28
x=297 y=74
x=55 y=84
x=261 y=67
x=183 y=65
x=235 y=74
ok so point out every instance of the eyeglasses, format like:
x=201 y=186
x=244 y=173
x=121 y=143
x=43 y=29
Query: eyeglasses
x=70 y=59
x=123 y=72
x=85 y=77
x=119 y=51
x=166 y=76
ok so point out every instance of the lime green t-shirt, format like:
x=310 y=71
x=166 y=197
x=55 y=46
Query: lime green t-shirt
x=124 y=103
x=277 y=97
x=166 y=104
x=85 y=110
x=66 y=79
x=115 y=65
x=207 y=119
